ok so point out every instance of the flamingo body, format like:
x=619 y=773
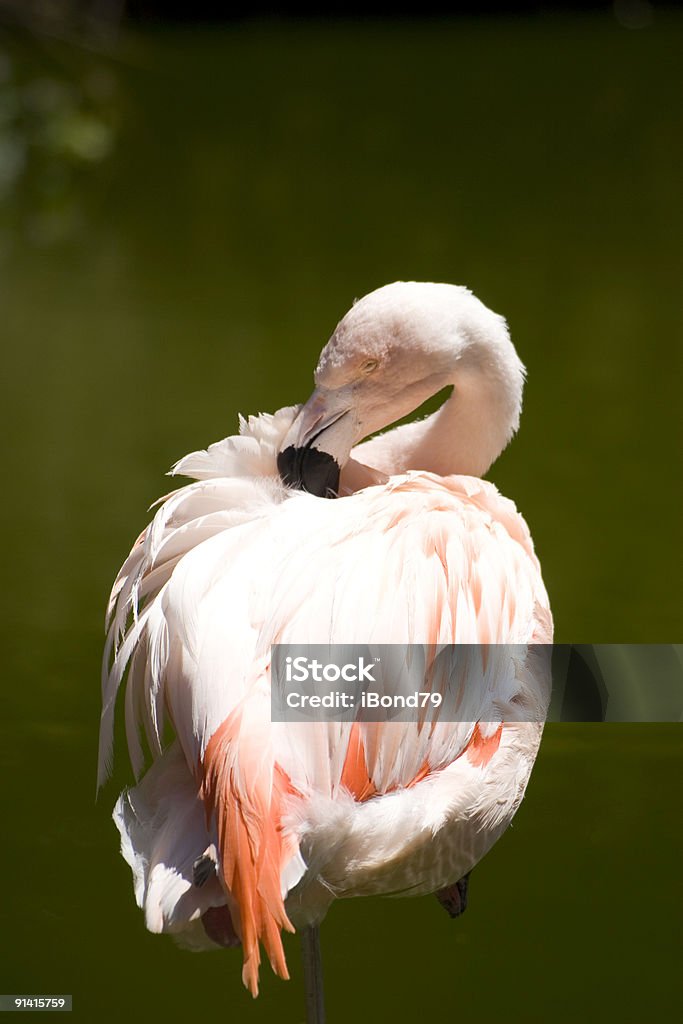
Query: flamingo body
x=242 y=827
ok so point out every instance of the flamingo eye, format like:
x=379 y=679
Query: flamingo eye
x=369 y=365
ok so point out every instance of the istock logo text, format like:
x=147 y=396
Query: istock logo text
x=301 y=669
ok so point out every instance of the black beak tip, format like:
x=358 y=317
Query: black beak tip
x=309 y=469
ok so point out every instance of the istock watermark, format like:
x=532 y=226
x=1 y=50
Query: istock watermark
x=476 y=682
x=303 y=669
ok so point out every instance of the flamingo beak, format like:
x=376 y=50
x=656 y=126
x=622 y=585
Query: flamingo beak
x=318 y=443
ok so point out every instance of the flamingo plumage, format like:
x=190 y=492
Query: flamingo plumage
x=243 y=827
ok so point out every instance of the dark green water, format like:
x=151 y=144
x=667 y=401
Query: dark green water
x=179 y=253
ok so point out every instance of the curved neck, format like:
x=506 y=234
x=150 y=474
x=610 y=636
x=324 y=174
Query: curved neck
x=470 y=430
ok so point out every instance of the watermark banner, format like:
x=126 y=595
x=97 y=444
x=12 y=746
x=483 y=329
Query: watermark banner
x=477 y=682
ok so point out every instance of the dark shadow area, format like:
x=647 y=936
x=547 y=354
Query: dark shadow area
x=580 y=694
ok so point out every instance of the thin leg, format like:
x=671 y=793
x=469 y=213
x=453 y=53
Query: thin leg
x=313 y=975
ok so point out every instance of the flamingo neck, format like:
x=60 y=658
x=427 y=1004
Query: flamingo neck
x=470 y=430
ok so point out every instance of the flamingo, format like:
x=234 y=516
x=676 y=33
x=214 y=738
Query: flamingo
x=242 y=827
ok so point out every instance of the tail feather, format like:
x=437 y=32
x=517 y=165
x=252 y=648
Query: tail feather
x=245 y=789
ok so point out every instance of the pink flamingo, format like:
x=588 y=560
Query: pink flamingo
x=242 y=828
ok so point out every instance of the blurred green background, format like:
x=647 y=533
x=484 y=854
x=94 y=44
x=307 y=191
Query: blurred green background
x=184 y=215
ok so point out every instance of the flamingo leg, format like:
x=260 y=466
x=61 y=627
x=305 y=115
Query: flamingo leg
x=313 y=975
x=454 y=897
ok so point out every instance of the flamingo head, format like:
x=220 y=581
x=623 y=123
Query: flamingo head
x=394 y=349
